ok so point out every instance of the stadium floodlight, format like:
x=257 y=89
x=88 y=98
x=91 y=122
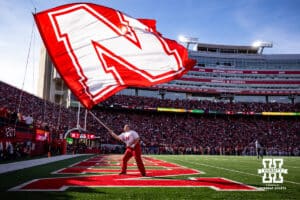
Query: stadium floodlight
x=182 y=38
x=259 y=43
x=262 y=45
x=187 y=40
x=256 y=43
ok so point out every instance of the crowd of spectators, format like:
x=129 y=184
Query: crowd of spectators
x=199 y=134
x=137 y=101
x=13 y=151
x=21 y=106
x=166 y=133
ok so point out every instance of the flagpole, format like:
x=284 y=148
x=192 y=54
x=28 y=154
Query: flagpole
x=78 y=114
x=98 y=120
x=85 y=118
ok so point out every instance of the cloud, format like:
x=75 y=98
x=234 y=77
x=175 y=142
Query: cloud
x=284 y=41
x=277 y=27
x=15 y=34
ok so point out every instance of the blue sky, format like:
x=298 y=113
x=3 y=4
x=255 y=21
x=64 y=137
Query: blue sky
x=211 y=21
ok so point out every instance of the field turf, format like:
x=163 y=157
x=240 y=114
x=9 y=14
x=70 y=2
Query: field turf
x=237 y=168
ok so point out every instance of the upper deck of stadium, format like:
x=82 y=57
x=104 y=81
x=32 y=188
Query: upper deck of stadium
x=243 y=57
x=236 y=73
x=238 y=70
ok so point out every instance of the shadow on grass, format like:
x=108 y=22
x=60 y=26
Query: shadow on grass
x=18 y=159
x=15 y=178
x=72 y=193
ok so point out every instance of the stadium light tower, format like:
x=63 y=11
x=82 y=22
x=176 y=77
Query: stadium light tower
x=262 y=45
x=187 y=40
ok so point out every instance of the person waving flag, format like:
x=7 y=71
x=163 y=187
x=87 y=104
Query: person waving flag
x=133 y=148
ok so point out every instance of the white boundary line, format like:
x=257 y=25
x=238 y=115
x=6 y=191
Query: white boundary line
x=63 y=188
x=14 y=166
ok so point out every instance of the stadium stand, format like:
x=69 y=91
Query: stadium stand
x=161 y=133
x=205 y=105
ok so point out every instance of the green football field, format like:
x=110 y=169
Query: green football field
x=236 y=168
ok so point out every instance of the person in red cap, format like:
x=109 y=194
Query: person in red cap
x=133 y=148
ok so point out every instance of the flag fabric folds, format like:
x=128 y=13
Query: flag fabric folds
x=99 y=51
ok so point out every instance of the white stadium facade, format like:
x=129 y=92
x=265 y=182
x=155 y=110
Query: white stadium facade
x=234 y=73
x=222 y=73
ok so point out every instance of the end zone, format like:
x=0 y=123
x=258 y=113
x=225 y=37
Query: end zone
x=110 y=178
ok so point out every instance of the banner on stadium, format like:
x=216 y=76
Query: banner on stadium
x=99 y=51
x=70 y=140
x=77 y=135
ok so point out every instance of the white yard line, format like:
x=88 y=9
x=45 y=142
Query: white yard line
x=231 y=170
x=8 y=167
x=288 y=166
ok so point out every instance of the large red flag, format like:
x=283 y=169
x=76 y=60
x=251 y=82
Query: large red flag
x=99 y=51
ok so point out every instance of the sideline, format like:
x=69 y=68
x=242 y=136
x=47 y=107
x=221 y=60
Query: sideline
x=9 y=167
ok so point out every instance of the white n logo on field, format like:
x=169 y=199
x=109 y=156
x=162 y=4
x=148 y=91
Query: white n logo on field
x=133 y=50
x=112 y=179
